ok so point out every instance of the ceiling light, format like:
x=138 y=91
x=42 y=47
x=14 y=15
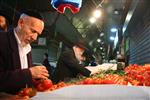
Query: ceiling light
x=97 y=13
x=116 y=12
x=103 y=57
x=112 y=38
x=98 y=40
x=113 y=30
x=103 y=54
x=102 y=34
x=91 y=43
x=84 y=35
x=92 y=20
x=102 y=43
x=94 y=49
x=104 y=50
x=101 y=48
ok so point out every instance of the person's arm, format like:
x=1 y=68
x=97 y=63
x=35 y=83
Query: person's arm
x=72 y=62
x=93 y=70
x=14 y=80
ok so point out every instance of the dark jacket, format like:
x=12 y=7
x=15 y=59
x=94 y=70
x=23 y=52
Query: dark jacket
x=12 y=78
x=68 y=67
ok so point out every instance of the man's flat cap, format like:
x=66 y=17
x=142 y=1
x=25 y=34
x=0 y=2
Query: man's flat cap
x=81 y=44
x=32 y=13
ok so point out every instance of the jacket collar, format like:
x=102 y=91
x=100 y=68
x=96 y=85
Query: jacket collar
x=14 y=49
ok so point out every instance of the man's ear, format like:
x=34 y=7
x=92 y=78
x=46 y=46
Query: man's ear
x=20 y=23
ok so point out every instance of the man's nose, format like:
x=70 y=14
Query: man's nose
x=34 y=37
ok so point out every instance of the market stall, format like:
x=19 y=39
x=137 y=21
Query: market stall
x=96 y=92
x=132 y=83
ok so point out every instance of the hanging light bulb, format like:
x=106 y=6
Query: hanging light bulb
x=92 y=20
x=97 y=13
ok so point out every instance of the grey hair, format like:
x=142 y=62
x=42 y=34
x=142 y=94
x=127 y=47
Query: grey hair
x=23 y=15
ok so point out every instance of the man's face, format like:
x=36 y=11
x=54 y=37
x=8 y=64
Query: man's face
x=79 y=53
x=30 y=28
x=83 y=58
x=2 y=22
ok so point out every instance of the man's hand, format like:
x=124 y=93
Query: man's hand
x=39 y=72
x=93 y=70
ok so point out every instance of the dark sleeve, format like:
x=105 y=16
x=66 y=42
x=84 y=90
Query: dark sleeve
x=70 y=60
x=13 y=81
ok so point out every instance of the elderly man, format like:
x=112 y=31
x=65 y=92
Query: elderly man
x=16 y=69
x=69 y=66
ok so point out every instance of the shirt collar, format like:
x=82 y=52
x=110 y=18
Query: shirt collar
x=17 y=38
x=27 y=47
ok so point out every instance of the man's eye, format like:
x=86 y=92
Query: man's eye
x=33 y=31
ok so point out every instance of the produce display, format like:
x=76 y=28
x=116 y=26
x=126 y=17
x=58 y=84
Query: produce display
x=138 y=75
x=27 y=92
x=42 y=84
x=134 y=75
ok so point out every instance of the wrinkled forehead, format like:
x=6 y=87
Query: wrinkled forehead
x=36 y=23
